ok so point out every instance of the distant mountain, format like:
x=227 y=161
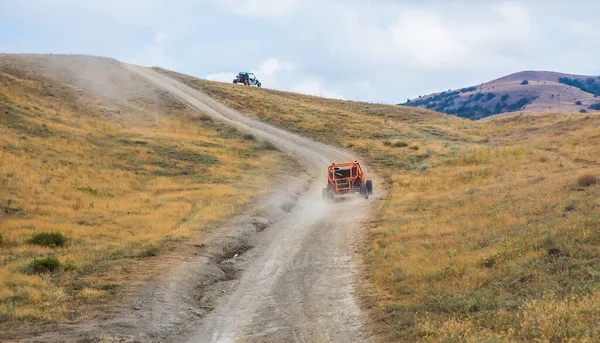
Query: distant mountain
x=526 y=91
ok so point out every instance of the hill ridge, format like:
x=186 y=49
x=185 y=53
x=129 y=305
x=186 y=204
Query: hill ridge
x=524 y=91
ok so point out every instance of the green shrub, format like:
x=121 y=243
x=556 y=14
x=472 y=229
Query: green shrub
x=87 y=189
x=426 y=166
x=387 y=143
x=48 y=239
x=70 y=266
x=149 y=252
x=266 y=145
x=43 y=265
x=595 y=107
x=525 y=82
x=1 y=239
x=249 y=137
x=578 y=103
x=400 y=144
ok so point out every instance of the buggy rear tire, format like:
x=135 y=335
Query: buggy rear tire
x=370 y=187
x=364 y=191
x=259 y=85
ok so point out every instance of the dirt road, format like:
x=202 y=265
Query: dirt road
x=298 y=282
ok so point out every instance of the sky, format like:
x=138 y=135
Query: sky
x=382 y=51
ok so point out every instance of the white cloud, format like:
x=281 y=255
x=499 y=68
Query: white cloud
x=222 y=77
x=154 y=54
x=432 y=37
x=268 y=70
x=312 y=86
x=259 y=8
x=422 y=37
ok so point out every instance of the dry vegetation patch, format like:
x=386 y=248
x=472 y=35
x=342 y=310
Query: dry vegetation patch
x=486 y=233
x=587 y=180
x=90 y=181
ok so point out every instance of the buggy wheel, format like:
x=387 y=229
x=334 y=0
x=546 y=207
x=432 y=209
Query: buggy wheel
x=235 y=82
x=370 y=187
x=364 y=191
x=259 y=85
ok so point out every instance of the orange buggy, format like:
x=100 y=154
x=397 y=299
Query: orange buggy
x=344 y=178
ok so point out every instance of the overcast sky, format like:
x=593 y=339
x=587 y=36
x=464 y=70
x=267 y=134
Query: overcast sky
x=377 y=50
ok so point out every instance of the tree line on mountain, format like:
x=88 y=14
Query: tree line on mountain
x=590 y=85
x=471 y=107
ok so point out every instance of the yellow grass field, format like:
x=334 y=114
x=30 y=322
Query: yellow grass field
x=489 y=230
x=121 y=181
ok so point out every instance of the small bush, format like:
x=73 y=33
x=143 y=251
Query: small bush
x=490 y=261
x=426 y=166
x=578 y=103
x=400 y=144
x=1 y=239
x=266 y=145
x=151 y=251
x=525 y=82
x=583 y=111
x=87 y=189
x=48 y=239
x=587 y=180
x=414 y=147
x=249 y=137
x=595 y=107
x=70 y=266
x=43 y=265
x=387 y=143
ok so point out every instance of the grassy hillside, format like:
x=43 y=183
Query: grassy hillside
x=489 y=231
x=98 y=170
x=528 y=91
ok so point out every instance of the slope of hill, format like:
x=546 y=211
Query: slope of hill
x=527 y=91
x=115 y=167
x=488 y=230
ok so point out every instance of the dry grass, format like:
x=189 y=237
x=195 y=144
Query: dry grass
x=485 y=234
x=120 y=181
x=587 y=180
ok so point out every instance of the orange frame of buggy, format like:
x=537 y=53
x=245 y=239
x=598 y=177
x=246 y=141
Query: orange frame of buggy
x=343 y=184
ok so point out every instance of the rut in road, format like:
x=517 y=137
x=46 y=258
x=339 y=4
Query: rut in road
x=299 y=284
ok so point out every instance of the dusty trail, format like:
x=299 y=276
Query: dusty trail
x=283 y=270
x=299 y=283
